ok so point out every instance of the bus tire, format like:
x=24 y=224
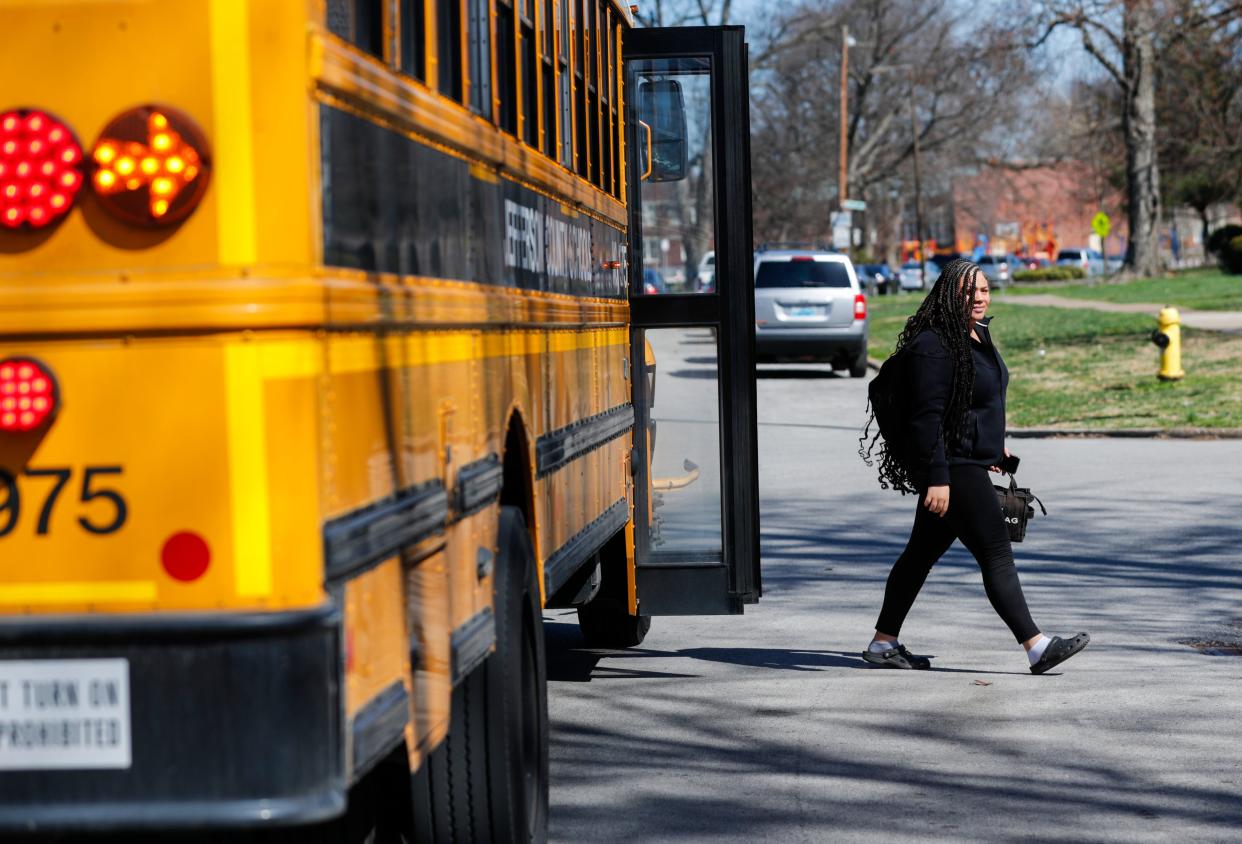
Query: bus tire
x=450 y=796
x=488 y=779
x=606 y=623
x=517 y=703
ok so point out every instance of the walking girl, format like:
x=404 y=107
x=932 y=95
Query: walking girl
x=954 y=435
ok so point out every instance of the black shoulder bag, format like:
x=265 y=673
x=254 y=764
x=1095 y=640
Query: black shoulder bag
x=1015 y=504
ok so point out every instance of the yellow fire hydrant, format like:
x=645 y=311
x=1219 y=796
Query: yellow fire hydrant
x=1169 y=338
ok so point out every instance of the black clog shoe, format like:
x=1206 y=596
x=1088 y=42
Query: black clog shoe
x=1058 y=651
x=897 y=657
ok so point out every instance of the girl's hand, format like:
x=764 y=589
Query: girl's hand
x=997 y=469
x=937 y=500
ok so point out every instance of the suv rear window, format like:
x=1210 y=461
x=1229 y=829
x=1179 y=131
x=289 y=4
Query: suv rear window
x=802 y=274
x=1069 y=255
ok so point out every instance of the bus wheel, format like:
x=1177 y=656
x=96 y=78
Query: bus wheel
x=606 y=623
x=488 y=780
x=517 y=703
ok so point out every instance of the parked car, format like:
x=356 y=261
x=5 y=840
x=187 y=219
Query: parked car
x=1030 y=263
x=998 y=269
x=653 y=281
x=705 y=281
x=810 y=307
x=1089 y=261
x=912 y=279
x=876 y=276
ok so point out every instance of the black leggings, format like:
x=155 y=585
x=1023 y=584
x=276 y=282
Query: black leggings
x=974 y=516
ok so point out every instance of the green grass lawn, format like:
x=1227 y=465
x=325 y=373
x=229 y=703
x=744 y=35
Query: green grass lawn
x=1089 y=369
x=1209 y=290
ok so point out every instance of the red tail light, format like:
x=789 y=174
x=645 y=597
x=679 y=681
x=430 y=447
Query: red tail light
x=860 y=306
x=185 y=556
x=28 y=395
x=40 y=169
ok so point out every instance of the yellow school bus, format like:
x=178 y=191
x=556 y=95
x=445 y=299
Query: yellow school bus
x=331 y=333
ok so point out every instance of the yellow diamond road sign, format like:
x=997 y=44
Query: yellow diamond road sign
x=1101 y=224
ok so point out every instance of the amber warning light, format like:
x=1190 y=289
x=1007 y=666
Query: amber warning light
x=40 y=169
x=151 y=166
x=28 y=395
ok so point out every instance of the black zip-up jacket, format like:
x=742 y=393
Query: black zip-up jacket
x=929 y=373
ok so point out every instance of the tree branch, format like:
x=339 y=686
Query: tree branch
x=1112 y=69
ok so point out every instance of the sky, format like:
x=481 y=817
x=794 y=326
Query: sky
x=1064 y=47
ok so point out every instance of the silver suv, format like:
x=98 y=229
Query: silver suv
x=998 y=269
x=809 y=307
x=1087 y=260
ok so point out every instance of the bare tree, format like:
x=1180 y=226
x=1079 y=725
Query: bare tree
x=1199 y=109
x=965 y=81
x=1124 y=38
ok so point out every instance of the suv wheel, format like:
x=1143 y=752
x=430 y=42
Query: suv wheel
x=858 y=367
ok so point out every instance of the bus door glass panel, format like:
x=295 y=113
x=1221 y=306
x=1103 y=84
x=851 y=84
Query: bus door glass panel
x=676 y=192
x=692 y=338
x=682 y=408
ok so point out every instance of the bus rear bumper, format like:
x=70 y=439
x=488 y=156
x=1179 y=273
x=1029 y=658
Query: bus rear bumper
x=235 y=722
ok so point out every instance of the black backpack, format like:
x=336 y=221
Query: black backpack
x=889 y=398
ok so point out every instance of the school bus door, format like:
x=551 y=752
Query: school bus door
x=695 y=457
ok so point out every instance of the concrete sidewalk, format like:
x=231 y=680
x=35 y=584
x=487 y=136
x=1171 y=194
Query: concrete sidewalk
x=1229 y=322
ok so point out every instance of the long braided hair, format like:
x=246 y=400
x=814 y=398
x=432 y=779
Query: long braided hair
x=946 y=311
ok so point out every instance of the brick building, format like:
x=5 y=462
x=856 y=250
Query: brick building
x=1036 y=211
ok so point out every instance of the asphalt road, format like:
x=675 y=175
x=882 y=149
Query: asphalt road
x=768 y=727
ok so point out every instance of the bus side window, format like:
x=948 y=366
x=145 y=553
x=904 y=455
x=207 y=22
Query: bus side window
x=506 y=66
x=566 y=120
x=610 y=102
x=414 y=38
x=481 y=57
x=530 y=91
x=547 y=41
x=591 y=10
x=618 y=86
x=360 y=22
x=581 y=50
x=448 y=48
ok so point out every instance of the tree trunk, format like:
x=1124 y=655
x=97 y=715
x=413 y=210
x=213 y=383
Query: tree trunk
x=1139 y=123
x=1203 y=236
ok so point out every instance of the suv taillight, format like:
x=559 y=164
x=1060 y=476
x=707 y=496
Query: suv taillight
x=28 y=395
x=860 y=306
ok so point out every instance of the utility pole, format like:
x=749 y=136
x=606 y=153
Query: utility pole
x=918 y=186
x=843 y=169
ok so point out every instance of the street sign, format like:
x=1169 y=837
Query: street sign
x=854 y=205
x=842 y=223
x=1101 y=224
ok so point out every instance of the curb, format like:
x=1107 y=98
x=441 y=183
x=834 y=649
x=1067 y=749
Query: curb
x=1114 y=433
x=1128 y=433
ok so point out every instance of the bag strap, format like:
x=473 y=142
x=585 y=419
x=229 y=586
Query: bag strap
x=1013 y=487
x=1040 y=503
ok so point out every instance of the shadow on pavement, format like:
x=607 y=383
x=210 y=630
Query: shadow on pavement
x=797 y=374
x=706 y=374
x=755 y=747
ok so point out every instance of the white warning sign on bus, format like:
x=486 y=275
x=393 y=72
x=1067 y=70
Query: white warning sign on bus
x=65 y=714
